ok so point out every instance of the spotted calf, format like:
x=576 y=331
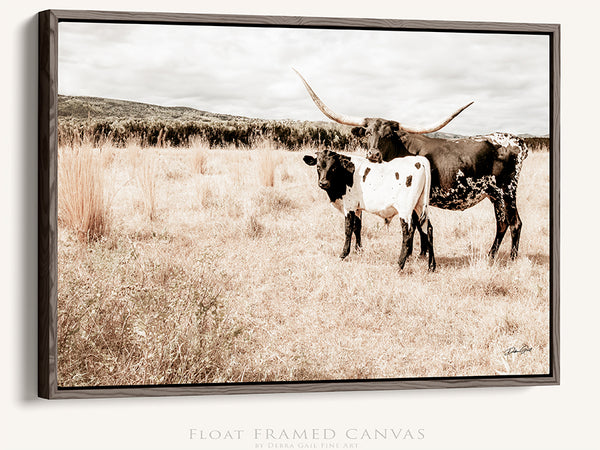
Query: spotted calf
x=399 y=187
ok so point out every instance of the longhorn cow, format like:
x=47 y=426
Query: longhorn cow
x=463 y=171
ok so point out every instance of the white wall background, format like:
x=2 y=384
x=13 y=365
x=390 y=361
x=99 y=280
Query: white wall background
x=533 y=418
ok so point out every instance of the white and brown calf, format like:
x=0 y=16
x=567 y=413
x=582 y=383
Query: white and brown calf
x=398 y=187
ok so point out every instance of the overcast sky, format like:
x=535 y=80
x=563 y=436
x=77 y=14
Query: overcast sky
x=416 y=78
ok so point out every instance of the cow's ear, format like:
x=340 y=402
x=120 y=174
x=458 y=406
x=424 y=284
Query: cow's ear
x=402 y=135
x=310 y=160
x=358 y=131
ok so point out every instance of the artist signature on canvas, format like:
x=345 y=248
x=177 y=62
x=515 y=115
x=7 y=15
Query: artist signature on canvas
x=524 y=348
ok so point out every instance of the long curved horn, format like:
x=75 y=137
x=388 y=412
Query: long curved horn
x=361 y=122
x=437 y=126
x=340 y=118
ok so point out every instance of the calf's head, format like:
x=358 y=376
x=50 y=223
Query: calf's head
x=334 y=172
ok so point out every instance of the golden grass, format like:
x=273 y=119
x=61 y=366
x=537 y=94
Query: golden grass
x=83 y=202
x=146 y=178
x=238 y=280
x=199 y=156
x=134 y=158
x=269 y=159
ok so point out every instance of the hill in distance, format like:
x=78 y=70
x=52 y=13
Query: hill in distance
x=83 y=108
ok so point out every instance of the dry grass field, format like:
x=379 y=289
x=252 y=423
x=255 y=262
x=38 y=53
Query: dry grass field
x=221 y=265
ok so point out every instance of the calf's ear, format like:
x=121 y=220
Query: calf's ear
x=349 y=168
x=347 y=164
x=358 y=131
x=310 y=160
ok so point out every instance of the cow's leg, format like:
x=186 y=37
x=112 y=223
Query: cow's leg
x=429 y=237
x=407 y=234
x=515 y=227
x=501 y=212
x=349 y=229
x=357 y=229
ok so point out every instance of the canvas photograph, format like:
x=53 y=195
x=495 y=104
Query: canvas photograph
x=270 y=204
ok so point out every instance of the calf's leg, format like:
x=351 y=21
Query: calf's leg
x=422 y=237
x=350 y=218
x=357 y=229
x=407 y=234
x=430 y=246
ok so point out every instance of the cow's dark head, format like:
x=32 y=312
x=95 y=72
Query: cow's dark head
x=382 y=139
x=335 y=172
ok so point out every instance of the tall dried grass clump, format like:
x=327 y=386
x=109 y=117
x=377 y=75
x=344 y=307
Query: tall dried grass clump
x=236 y=163
x=199 y=155
x=254 y=227
x=268 y=160
x=146 y=178
x=134 y=158
x=107 y=156
x=83 y=204
x=200 y=161
x=206 y=194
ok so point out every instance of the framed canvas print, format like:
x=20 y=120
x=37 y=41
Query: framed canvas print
x=247 y=204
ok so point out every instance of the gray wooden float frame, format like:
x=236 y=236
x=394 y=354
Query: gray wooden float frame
x=47 y=207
